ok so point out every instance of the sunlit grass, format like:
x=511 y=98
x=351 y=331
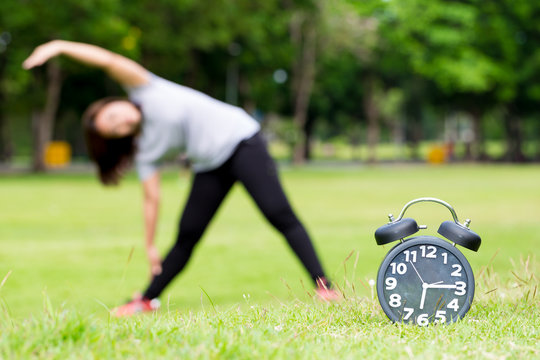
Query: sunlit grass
x=72 y=238
x=495 y=327
x=73 y=250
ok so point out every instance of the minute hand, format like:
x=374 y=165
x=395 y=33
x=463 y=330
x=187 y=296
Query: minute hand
x=441 y=286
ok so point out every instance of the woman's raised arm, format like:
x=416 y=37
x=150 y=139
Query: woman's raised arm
x=123 y=70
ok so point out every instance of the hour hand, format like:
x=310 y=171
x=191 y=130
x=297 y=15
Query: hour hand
x=423 y=299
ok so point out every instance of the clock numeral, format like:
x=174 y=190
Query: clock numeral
x=400 y=268
x=460 y=288
x=410 y=255
x=409 y=312
x=457 y=272
x=429 y=252
x=422 y=320
x=445 y=258
x=391 y=283
x=453 y=305
x=395 y=300
x=440 y=316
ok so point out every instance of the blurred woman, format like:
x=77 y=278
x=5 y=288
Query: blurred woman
x=159 y=119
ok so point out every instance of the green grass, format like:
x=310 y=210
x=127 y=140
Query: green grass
x=67 y=245
x=351 y=329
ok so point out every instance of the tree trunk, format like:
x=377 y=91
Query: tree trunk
x=372 y=114
x=308 y=132
x=304 y=36
x=514 y=138
x=414 y=130
x=43 y=121
x=479 y=144
x=398 y=136
x=6 y=146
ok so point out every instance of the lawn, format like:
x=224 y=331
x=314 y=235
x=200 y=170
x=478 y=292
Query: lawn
x=72 y=249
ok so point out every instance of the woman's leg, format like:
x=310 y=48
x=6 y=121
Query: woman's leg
x=253 y=166
x=207 y=192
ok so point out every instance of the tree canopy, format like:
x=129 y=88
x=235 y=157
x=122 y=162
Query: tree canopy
x=368 y=71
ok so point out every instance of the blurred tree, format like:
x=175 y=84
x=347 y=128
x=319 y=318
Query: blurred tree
x=436 y=38
x=478 y=53
x=6 y=145
x=363 y=69
x=36 y=22
x=359 y=34
x=345 y=44
x=304 y=32
x=508 y=33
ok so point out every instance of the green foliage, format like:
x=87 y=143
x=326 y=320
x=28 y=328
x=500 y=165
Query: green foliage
x=39 y=21
x=436 y=38
x=441 y=56
x=193 y=42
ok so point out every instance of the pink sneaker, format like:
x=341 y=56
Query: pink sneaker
x=326 y=293
x=138 y=305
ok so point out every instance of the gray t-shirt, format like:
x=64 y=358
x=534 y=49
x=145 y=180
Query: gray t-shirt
x=177 y=119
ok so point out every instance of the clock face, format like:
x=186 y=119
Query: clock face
x=425 y=280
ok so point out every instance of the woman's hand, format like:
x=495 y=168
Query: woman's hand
x=42 y=54
x=154 y=259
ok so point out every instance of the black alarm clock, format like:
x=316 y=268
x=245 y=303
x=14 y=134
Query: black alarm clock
x=426 y=279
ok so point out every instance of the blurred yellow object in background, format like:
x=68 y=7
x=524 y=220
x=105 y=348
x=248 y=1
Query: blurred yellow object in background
x=57 y=154
x=436 y=155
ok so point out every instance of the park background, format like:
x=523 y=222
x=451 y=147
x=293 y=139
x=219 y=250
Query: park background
x=320 y=75
x=366 y=105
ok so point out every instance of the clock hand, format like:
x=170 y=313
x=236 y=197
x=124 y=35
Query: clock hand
x=424 y=289
x=441 y=286
x=414 y=267
x=425 y=286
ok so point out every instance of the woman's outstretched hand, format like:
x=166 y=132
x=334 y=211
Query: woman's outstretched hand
x=42 y=54
x=154 y=259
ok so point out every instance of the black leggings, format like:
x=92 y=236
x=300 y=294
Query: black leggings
x=254 y=168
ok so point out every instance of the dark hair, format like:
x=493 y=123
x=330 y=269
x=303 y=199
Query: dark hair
x=113 y=156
